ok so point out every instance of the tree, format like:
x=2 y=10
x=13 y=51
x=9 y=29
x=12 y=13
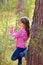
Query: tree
x=6 y=2
x=35 y=49
x=20 y=6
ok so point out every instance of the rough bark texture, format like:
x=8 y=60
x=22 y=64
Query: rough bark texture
x=35 y=50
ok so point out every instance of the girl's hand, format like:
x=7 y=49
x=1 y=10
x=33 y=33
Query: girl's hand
x=11 y=30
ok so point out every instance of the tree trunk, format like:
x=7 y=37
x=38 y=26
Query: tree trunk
x=35 y=50
x=6 y=1
x=20 y=6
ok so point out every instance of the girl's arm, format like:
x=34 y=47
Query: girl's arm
x=15 y=35
x=11 y=30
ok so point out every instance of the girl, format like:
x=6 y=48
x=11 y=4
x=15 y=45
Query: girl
x=21 y=38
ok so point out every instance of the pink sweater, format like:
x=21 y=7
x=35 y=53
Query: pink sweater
x=21 y=37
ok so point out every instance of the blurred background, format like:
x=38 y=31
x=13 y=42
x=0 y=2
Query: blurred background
x=10 y=13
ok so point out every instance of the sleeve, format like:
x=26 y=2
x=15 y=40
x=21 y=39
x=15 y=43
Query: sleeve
x=17 y=34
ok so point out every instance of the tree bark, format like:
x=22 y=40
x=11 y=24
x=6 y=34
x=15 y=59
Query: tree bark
x=20 y=6
x=35 y=49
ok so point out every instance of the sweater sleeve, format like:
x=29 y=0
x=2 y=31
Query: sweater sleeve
x=15 y=34
x=20 y=33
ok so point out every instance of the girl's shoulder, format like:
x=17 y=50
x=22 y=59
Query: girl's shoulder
x=22 y=30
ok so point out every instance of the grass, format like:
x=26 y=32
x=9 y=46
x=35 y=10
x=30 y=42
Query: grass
x=23 y=62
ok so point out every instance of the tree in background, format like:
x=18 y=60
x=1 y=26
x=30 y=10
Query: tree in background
x=6 y=1
x=20 y=6
x=35 y=50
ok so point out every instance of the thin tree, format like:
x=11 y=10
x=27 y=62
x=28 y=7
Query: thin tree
x=20 y=6
x=6 y=1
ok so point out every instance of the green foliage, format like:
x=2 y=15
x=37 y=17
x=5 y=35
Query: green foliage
x=29 y=7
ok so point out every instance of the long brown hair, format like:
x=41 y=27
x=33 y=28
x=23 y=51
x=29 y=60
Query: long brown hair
x=25 y=21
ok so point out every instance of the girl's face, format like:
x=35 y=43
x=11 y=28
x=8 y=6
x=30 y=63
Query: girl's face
x=21 y=24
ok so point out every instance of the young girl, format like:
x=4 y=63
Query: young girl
x=21 y=37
